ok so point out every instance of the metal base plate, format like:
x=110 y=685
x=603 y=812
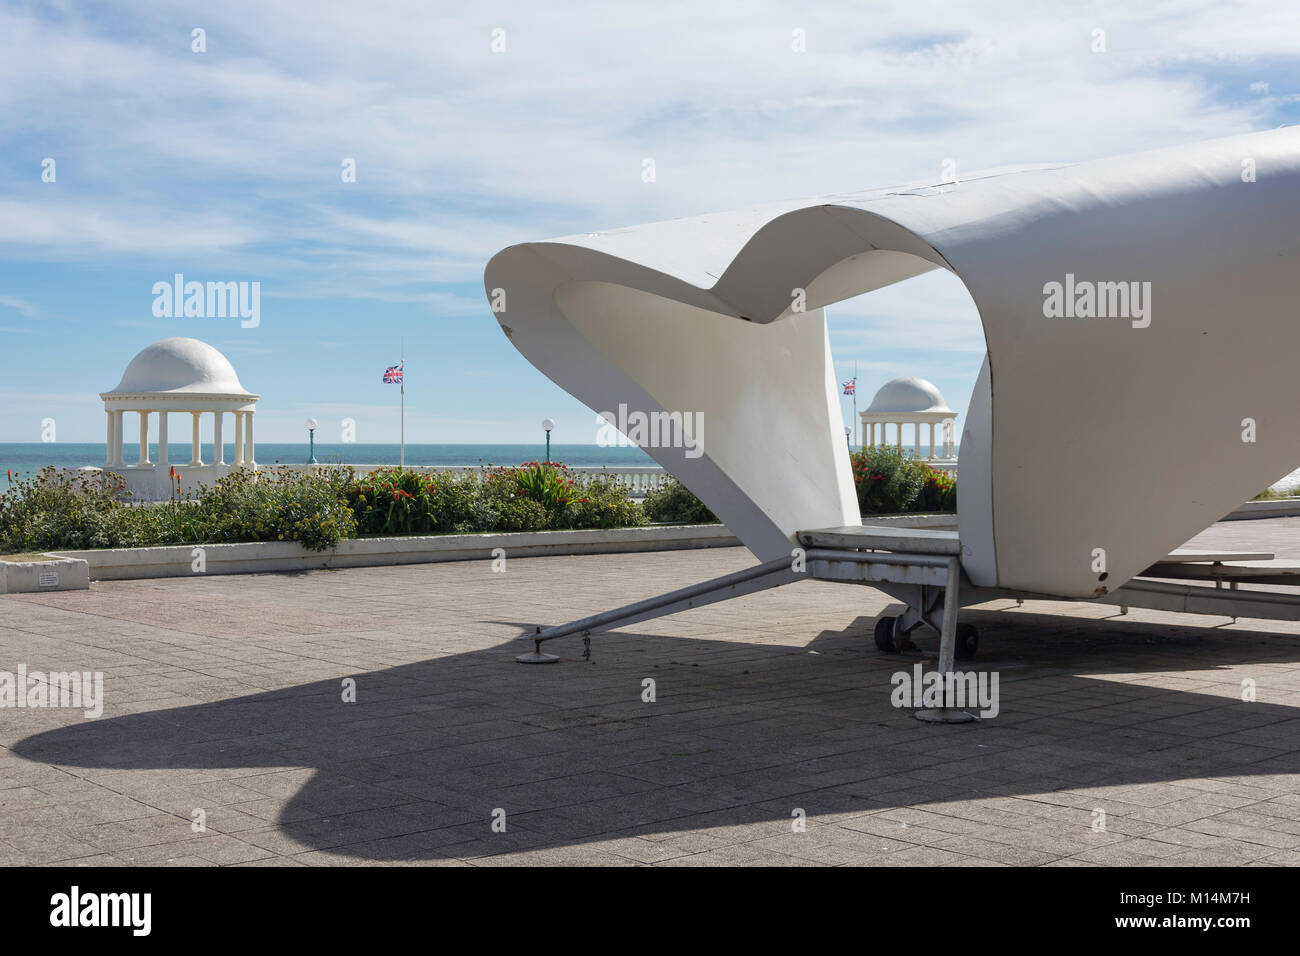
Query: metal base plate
x=943 y=715
x=536 y=657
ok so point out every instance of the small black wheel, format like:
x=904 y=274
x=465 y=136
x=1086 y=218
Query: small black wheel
x=968 y=642
x=885 y=628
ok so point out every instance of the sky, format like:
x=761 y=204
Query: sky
x=474 y=126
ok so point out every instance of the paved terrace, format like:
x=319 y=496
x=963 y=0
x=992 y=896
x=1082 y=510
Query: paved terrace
x=224 y=694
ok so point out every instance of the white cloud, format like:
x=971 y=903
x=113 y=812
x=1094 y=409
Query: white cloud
x=20 y=305
x=67 y=226
x=552 y=132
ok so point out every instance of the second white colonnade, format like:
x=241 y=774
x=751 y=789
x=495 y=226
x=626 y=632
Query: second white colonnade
x=186 y=377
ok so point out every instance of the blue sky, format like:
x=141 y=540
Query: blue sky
x=225 y=165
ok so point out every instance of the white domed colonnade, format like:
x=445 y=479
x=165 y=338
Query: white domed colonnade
x=178 y=375
x=910 y=401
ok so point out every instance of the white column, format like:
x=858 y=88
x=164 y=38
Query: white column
x=196 y=449
x=218 y=441
x=162 y=437
x=239 y=438
x=931 y=441
x=249 y=460
x=119 y=437
x=144 y=439
x=108 y=440
x=899 y=446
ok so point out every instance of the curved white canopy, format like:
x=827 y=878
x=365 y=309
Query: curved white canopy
x=1123 y=436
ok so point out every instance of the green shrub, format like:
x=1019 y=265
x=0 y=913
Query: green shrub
x=56 y=511
x=276 y=505
x=532 y=497
x=453 y=503
x=889 y=482
x=390 y=501
x=939 y=493
x=673 y=503
x=1272 y=494
x=547 y=483
x=604 y=503
x=514 y=513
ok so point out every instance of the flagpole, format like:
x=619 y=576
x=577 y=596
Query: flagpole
x=402 y=366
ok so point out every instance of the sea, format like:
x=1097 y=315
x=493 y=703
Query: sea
x=24 y=458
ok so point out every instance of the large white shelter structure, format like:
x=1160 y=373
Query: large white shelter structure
x=910 y=401
x=178 y=375
x=1138 y=382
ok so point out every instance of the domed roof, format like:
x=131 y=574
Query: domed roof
x=180 y=365
x=909 y=394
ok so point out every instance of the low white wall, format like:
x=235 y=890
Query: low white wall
x=22 y=577
x=181 y=560
x=1274 y=508
x=156 y=483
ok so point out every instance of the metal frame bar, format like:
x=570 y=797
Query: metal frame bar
x=1200 y=599
x=771 y=574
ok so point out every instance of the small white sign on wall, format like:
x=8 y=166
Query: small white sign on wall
x=47 y=579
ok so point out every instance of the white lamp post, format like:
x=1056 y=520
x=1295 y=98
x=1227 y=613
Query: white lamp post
x=548 y=424
x=311 y=433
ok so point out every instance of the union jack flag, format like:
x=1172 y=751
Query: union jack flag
x=851 y=387
x=393 y=374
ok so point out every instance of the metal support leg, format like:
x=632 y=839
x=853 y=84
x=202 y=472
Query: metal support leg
x=536 y=656
x=947 y=649
x=760 y=577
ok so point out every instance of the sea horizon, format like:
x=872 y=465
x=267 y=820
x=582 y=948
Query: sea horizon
x=25 y=458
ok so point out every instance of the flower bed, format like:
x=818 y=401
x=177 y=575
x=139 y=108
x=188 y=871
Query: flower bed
x=60 y=511
x=889 y=482
x=535 y=496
